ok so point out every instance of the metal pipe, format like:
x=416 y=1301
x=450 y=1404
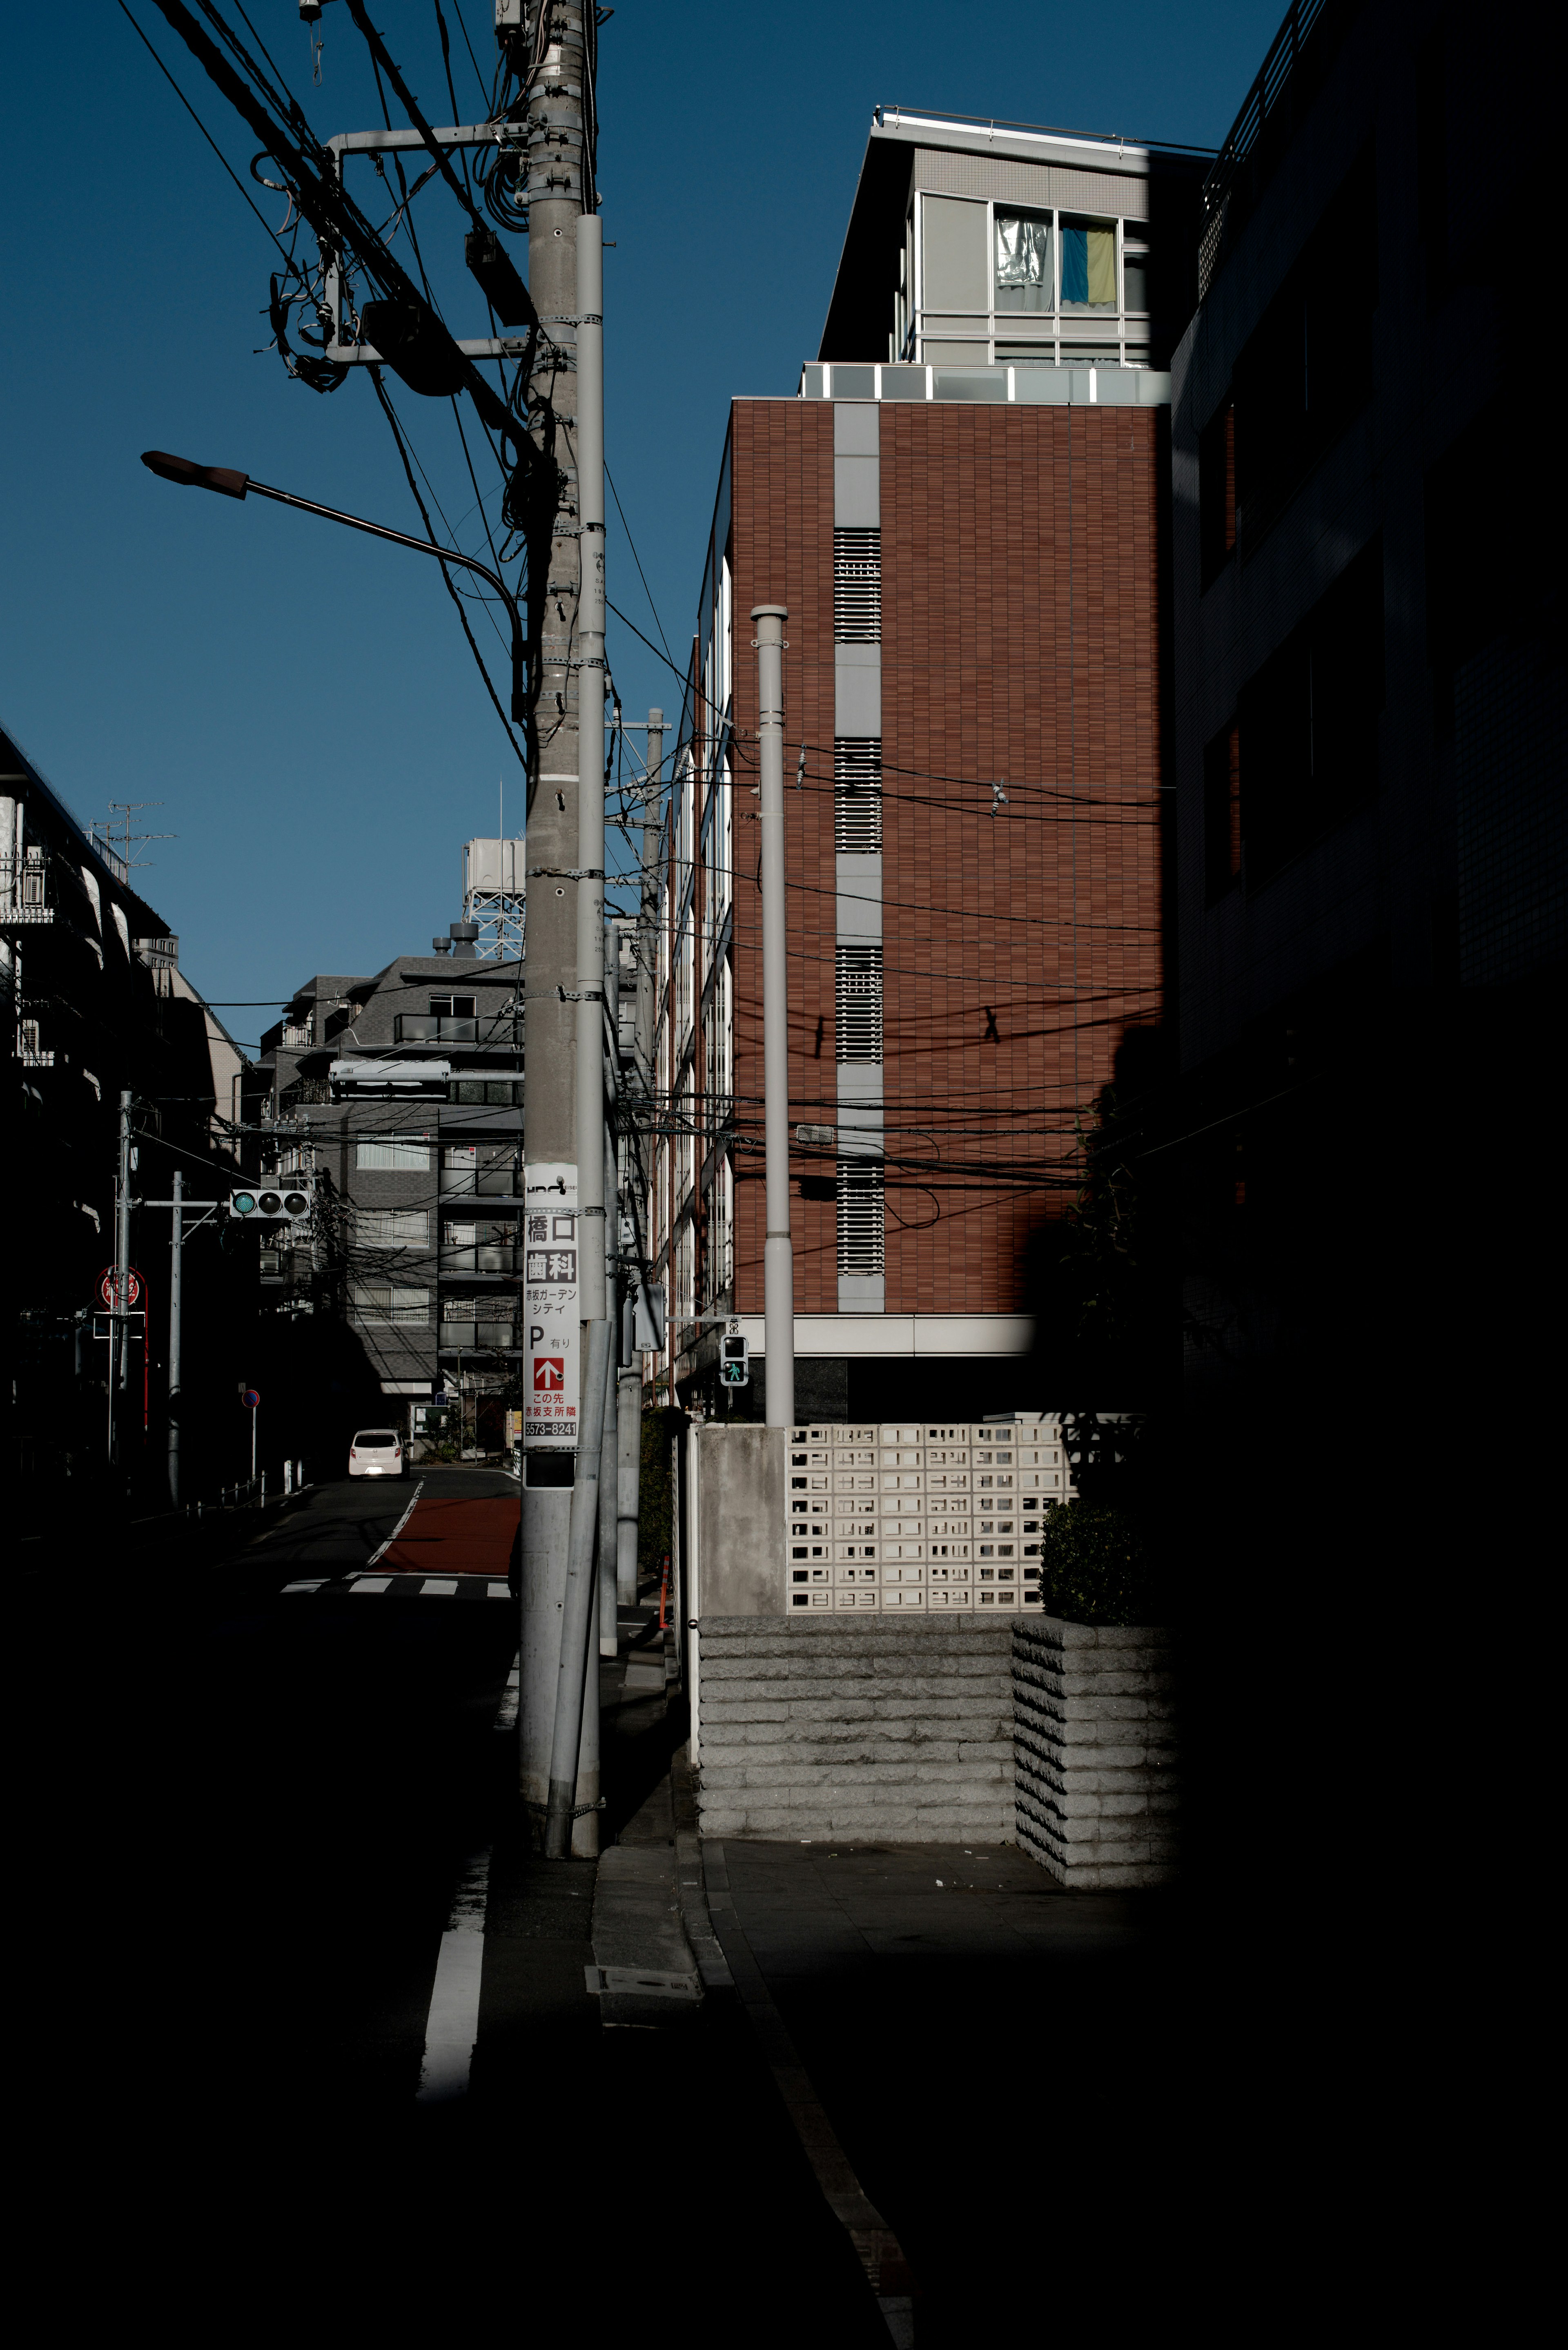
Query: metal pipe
x=608 y=1613
x=577 y=1613
x=176 y=1269
x=778 y=1253
x=590 y=886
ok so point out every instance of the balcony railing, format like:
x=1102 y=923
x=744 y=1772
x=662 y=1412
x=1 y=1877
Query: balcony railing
x=494 y=1337
x=1262 y=130
x=482 y=1182
x=444 y=1028
x=484 y=1257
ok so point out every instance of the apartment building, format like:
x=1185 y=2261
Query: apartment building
x=963 y=509
x=404 y=1088
x=95 y=1003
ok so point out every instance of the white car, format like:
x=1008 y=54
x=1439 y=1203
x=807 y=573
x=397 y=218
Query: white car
x=376 y=1452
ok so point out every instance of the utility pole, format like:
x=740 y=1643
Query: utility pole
x=566 y=714
x=176 y=1260
x=609 y=1465
x=577 y=1613
x=778 y=1251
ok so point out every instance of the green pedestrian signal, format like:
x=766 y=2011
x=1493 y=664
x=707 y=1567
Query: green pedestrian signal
x=734 y=1363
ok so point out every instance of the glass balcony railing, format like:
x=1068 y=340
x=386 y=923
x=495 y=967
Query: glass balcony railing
x=483 y=1182
x=481 y=1337
x=431 y=1028
x=482 y=1257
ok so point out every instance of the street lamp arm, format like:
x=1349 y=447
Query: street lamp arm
x=233 y=484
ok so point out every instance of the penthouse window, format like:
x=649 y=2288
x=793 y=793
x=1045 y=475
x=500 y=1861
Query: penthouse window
x=1088 y=264
x=1024 y=271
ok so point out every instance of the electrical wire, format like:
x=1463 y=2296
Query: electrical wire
x=206 y=134
x=390 y=415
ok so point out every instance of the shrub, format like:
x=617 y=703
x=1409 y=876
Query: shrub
x=1095 y=1567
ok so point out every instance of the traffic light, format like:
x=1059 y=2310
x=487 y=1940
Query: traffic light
x=288 y=1202
x=734 y=1363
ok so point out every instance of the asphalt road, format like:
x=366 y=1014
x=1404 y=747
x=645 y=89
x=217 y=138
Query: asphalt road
x=244 y=1812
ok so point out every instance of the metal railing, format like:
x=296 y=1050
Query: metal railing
x=1261 y=108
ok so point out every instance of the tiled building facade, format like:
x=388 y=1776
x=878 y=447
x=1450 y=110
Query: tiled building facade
x=972 y=564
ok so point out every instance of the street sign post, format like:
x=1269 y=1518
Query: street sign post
x=550 y=1291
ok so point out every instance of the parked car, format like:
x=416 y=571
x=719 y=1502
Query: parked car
x=376 y=1452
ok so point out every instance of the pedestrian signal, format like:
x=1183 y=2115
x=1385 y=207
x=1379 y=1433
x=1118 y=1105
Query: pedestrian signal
x=734 y=1363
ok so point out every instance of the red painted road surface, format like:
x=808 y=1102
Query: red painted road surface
x=455 y=1537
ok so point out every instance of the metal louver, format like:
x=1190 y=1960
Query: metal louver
x=857 y=587
x=857 y=792
x=857 y=1004
x=860 y=1219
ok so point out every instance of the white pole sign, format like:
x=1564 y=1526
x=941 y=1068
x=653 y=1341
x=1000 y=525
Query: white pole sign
x=550 y=1305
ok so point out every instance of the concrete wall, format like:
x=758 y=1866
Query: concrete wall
x=881 y=1727
x=739 y=1503
x=1095 y=1744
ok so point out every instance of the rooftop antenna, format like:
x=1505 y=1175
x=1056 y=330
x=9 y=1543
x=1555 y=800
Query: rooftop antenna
x=104 y=833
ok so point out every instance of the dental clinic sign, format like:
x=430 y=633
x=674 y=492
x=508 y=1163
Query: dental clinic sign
x=550 y=1309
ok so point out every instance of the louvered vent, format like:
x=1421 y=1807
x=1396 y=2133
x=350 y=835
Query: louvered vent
x=857 y=792
x=860 y=1222
x=857 y=587
x=857 y=1004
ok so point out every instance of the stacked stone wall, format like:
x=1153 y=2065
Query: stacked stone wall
x=885 y=1730
x=1094 y=1732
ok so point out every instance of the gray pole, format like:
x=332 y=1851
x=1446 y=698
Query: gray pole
x=176 y=1270
x=555 y=194
x=609 y=1455
x=778 y=1253
x=577 y=1616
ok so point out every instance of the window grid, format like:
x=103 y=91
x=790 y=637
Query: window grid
x=857 y=1005
x=857 y=587
x=857 y=792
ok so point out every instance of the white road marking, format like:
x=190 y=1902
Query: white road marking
x=501 y=1591
x=314 y=1585
x=510 y=1698
x=372 y=1583
x=453 y=2025
x=398 y=1529
x=442 y=1585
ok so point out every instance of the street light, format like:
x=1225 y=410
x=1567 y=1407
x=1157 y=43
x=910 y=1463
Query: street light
x=228 y=484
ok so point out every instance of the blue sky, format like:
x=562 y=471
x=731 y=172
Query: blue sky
x=300 y=701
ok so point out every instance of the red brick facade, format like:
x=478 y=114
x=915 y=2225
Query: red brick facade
x=1019 y=642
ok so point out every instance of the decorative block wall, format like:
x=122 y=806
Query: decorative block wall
x=921 y=1517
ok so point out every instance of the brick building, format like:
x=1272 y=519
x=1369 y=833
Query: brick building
x=968 y=538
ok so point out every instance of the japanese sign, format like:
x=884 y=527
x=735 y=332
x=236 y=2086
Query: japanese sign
x=550 y=1307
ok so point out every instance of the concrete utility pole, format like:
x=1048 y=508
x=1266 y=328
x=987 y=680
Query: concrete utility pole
x=176 y=1258
x=570 y=742
x=609 y=1463
x=577 y=1616
x=778 y=1251
x=119 y=1328
x=629 y=1422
